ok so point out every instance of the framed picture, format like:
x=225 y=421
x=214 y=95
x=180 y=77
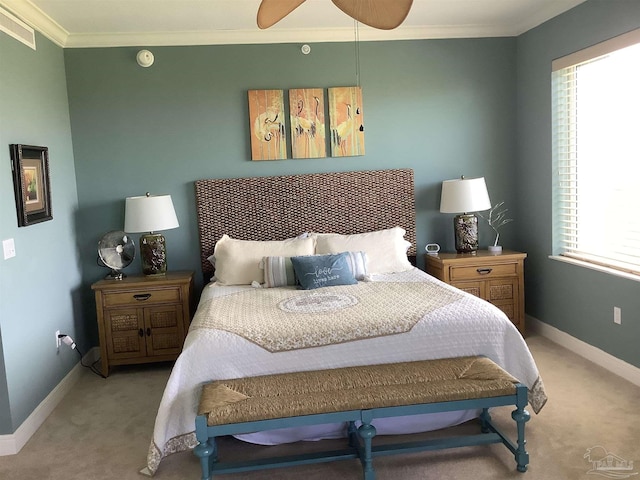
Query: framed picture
x=30 y=166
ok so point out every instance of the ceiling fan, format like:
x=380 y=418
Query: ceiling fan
x=382 y=14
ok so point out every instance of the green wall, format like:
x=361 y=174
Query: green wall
x=441 y=107
x=39 y=287
x=573 y=299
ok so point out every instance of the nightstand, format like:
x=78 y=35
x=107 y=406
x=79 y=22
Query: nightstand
x=143 y=319
x=497 y=278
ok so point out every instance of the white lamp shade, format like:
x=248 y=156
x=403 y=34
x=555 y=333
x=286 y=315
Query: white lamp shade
x=150 y=213
x=464 y=195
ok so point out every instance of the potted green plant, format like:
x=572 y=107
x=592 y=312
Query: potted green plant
x=496 y=219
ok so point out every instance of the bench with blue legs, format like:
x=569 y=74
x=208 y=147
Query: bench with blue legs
x=357 y=396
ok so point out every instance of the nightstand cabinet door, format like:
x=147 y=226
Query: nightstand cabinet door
x=124 y=333
x=474 y=288
x=164 y=330
x=504 y=294
x=498 y=279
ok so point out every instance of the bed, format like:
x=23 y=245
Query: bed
x=391 y=312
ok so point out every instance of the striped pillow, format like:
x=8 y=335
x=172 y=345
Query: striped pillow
x=357 y=262
x=278 y=271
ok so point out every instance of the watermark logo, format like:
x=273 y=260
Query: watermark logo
x=608 y=464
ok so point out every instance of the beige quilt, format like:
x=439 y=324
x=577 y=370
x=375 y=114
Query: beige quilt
x=286 y=319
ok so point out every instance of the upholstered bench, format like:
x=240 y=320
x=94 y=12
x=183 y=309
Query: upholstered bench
x=358 y=394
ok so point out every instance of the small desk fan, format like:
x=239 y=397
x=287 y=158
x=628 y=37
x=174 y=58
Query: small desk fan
x=116 y=251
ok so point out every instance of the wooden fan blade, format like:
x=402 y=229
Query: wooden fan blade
x=382 y=14
x=271 y=12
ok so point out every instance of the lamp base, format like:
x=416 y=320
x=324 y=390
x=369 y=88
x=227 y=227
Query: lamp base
x=153 y=254
x=466 y=233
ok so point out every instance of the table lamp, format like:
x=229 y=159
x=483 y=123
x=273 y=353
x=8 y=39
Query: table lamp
x=151 y=213
x=462 y=196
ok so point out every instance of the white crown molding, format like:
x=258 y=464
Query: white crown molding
x=599 y=357
x=13 y=443
x=234 y=37
x=38 y=20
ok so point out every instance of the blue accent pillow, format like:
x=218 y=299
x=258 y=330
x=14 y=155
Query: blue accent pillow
x=316 y=271
x=278 y=271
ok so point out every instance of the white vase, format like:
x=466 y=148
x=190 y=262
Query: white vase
x=495 y=249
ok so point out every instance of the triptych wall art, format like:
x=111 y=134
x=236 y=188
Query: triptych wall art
x=306 y=123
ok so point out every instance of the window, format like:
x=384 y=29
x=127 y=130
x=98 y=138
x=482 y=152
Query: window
x=596 y=154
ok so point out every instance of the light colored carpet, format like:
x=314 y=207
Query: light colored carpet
x=102 y=429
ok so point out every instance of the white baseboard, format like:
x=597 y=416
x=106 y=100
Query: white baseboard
x=599 y=357
x=12 y=444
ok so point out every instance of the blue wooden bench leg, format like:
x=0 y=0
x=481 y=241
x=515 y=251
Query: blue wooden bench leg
x=367 y=432
x=206 y=450
x=485 y=420
x=521 y=416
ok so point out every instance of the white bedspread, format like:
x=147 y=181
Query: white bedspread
x=468 y=326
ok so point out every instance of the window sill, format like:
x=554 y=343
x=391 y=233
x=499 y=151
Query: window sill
x=593 y=266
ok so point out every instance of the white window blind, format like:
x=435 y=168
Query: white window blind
x=596 y=154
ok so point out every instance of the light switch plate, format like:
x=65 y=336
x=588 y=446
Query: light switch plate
x=617 y=315
x=9 y=248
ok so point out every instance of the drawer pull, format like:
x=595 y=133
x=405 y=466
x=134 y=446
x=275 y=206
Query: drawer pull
x=141 y=297
x=484 y=271
x=141 y=332
x=148 y=332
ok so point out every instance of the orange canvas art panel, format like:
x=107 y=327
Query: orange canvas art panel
x=306 y=113
x=267 y=124
x=346 y=121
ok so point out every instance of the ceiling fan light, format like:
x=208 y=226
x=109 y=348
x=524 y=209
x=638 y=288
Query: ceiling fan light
x=271 y=12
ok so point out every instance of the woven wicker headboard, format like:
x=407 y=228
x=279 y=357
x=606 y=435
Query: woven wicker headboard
x=275 y=208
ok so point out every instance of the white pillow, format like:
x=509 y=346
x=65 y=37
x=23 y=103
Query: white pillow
x=386 y=249
x=238 y=261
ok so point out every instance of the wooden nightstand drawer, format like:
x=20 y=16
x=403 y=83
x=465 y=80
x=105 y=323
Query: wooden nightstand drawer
x=483 y=271
x=165 y=295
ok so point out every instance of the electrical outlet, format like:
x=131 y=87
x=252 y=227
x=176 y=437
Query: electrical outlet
x=617 y=315
x=58 y=342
